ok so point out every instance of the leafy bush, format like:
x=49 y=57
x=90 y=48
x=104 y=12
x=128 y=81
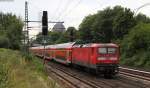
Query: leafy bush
x=135 y=47
x=4 y=42
x=10 y=31
x=3 y=76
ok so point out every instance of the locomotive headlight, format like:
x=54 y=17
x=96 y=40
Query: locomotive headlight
x=113 y=58
x=101 y=58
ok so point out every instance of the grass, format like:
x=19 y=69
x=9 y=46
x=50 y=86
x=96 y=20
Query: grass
x=21 y=71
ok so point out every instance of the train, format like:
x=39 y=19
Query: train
x=100 y=57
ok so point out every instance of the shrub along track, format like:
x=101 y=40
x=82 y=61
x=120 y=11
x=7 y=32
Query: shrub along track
x=75 y=78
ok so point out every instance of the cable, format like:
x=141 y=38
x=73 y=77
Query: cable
x=65 y=8
x=137 y=9
x=64 y=15
x=57 y=8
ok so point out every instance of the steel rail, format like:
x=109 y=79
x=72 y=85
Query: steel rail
x=85 y=82
x=135 y=73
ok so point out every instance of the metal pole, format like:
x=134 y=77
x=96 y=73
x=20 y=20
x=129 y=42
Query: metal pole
x=26 y=28
x=44 y=51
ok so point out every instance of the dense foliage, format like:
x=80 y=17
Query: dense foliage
x=135 y=46
x=107 y=25
x=10 y=31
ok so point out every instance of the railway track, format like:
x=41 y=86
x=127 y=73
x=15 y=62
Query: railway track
x=135 y=73
x=75 y=78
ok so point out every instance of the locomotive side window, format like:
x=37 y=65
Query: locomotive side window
x=111 y=50
x=102 y=50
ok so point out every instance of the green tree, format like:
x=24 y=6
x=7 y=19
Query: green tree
x=4 y=42
x=54 y=36
x=107 y=25
x=135 y=46
x=142 y=18
x=63 y=37
x=122 y=22
x=71 y=33
x=11 y=30
x=102 y=26
x=85 y=29
x=51 y=38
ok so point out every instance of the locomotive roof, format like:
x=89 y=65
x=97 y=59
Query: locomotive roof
x=105 y=44
x=96 y=45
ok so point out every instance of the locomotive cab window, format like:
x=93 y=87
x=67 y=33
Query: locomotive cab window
x=106 y=50
x=102 y=50
x=111 y=50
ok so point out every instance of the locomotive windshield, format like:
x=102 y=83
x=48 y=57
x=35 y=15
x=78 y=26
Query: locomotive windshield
x=107 y=50
x=102 y=50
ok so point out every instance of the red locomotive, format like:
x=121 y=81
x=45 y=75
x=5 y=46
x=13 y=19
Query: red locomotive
x=103 y=58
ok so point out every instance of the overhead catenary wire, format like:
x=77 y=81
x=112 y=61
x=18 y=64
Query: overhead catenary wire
x=79 y=2
x=57 y=8
x=66 y=6
x=39 y=9
x=92 y=10
x=61 y=8
x=70 y=10
x=36 y=7
x=137 y=9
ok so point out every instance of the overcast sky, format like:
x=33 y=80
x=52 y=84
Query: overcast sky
x=71 y=12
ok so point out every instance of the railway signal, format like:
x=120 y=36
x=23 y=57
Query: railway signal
x=44 y=23
x=44 y=30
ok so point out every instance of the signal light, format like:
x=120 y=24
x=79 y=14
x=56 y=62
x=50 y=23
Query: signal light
x=44 y=23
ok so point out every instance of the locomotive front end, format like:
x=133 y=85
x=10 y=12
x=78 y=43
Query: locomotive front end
x=108 y=59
